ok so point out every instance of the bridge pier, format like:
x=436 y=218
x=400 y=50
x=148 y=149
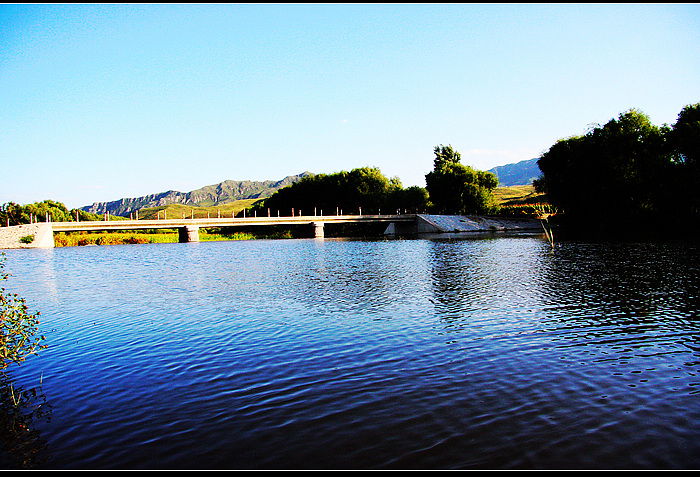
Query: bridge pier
x=188 y=233
x=318 y=229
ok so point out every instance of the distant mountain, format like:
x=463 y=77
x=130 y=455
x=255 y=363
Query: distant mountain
x=521 y=173
x=222 y=193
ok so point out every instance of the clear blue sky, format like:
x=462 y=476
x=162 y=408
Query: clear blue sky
x=101 y=102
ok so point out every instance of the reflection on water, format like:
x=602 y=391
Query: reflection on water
x=21 y=444
x=494 y=353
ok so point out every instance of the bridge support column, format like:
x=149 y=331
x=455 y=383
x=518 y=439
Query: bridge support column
x=318 y=229
x=188 y=233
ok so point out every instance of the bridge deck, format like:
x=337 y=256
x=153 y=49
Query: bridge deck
x=226 y=222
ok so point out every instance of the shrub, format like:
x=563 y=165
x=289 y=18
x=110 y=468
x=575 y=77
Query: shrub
x=18 y=327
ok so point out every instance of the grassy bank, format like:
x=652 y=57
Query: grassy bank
x=522 y=194
x=521 y=201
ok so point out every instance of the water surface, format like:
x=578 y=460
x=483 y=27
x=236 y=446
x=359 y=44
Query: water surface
x=495 y=353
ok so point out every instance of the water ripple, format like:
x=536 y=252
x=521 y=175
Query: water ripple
x=408 y=354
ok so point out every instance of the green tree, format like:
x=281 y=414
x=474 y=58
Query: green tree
x=685 y=137
x=20 y=444
x=454 y=188
x=444 y=156
x=618 y=174
x=685 y=143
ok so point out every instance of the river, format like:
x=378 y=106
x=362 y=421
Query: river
x=489 y=353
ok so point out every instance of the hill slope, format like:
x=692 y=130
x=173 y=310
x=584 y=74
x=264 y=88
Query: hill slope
x=217 y=194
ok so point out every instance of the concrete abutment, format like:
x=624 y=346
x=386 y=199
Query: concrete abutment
x=38 y=235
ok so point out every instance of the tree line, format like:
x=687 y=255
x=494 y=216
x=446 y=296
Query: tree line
x=451 y=188
x=46 y=210
x=627 y=173
x=362 y=190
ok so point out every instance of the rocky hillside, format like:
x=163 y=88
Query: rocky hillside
x=521 y=173
x=222 y=193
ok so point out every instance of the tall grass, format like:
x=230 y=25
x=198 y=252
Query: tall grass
x=77 y=239
x=111 y=238
x=526 y=210
x=205 y=236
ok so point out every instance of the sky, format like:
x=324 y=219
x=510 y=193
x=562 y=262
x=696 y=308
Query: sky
x=100 y=102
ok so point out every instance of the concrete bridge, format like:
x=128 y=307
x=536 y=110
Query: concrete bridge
x=40 y=235
x=42 y=232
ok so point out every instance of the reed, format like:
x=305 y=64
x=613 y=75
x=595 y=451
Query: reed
x=543 y=215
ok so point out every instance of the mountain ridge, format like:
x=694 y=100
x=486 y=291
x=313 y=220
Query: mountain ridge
x=519 y=173
x=222 y=193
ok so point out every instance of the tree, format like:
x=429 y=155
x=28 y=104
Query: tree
x=444 y=156
x=685 y=137
x=685 y=143
x=454 y=188
x=623 y=172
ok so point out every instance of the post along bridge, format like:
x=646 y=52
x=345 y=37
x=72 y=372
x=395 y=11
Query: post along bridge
x=188 y=229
